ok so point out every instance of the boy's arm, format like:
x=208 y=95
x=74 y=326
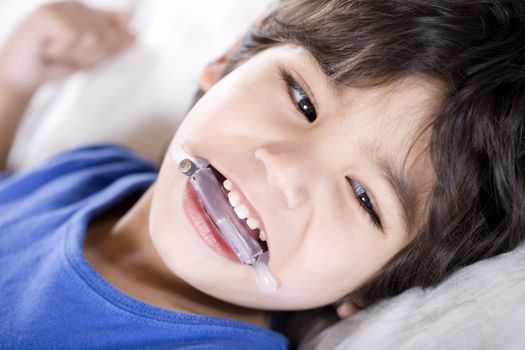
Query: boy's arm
x=52 y=43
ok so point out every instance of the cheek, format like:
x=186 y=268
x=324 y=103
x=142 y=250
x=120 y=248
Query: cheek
x=241 y=104
x=333 y=257
x=318 y=279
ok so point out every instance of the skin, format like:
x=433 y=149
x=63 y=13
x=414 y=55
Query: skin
x=293 y=174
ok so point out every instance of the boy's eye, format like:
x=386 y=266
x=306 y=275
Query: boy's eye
x=303 y=103
x=299 y=97
x=364 y=202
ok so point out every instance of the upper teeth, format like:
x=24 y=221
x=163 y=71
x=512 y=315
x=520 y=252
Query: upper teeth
x=228 y=185
x=252 y=223
x=240 y=209
x=234 y=198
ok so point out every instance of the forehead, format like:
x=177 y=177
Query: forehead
x=397 y=113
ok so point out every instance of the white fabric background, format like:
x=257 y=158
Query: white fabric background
x=138 y=98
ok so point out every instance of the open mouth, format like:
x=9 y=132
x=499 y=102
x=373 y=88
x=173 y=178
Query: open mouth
x=225 y=210
x=234 y=198
x=220 y=214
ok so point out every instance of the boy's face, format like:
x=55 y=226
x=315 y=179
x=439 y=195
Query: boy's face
x=320 y=190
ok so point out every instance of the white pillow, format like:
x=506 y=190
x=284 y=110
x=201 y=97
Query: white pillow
x=481 y=306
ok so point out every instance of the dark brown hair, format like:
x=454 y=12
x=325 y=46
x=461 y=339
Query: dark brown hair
x=477 y=50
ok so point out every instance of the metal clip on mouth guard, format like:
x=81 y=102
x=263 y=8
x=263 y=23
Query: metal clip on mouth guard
x=237 y=237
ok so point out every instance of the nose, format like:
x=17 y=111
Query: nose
x=287 y=171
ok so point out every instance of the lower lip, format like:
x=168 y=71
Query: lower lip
x=203 y=225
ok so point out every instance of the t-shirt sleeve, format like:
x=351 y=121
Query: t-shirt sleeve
x=71 y=176
x=3 y=176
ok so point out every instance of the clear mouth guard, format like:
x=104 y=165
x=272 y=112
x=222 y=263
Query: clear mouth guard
x=235 y=235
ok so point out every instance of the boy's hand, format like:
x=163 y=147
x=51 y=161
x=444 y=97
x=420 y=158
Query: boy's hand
x=59 y=39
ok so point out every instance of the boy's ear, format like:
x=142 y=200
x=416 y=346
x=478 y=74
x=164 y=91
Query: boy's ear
x=213 y=71
x=346 y=310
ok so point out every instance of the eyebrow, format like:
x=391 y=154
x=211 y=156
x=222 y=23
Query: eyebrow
x=335 y=88
x=402 y=190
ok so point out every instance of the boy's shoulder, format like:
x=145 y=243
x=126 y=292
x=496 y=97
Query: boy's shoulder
x=85 y=156
x=69 y=178
x=93 y=155
x=79 y=159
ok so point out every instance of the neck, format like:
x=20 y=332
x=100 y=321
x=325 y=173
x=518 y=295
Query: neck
x=119 y=248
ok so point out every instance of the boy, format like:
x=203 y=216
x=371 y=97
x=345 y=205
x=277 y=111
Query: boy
x=367 y=144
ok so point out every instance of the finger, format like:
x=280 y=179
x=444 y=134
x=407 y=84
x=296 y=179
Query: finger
x=83 y=51
x=119 y=18
x=113 y=38
x=65 y=39
x=90 y=56
x=59 y=71
x=124 y=37
x=58 y=45
x=124 y=44
x=96 y=42
x=88 y=41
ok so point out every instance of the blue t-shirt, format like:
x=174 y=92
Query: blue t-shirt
x=51 y=297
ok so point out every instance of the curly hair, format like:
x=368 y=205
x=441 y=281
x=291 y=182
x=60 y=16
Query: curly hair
x=477 y=50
